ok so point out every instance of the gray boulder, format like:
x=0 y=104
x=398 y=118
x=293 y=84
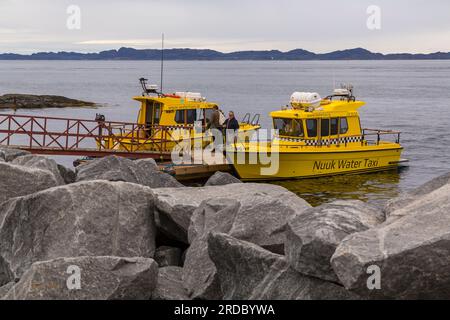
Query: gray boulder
x=221 y=179
x=95 y=218
x=40 y=162
x=199 y=272
x=215 y=214
x=168 y=256
x=9 y=154
x=415 y=195
x=170 y=285
x=147 y=164
x=176 y=205
x=68 y=175
x=16 y=181
x=313 y=235
x=5 y=289
x=100 y=278
x=114 y=168
x=249 y=272
x=262 y=220
x=259 y=220
x=411 y=254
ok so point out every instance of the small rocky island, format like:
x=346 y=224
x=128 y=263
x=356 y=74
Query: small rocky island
x=122 y=229
x=29 y=101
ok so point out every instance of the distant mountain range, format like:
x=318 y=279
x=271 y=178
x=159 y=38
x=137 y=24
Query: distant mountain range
x=206 y=54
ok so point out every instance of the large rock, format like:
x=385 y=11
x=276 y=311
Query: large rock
x=412 y=253
x=221 y=179
x=114 y=168
x=16 y=181
x=100 y=278
x=199 y=272
x=147 y=164
x=259 y=219
x=68 y=175
x=313 y=235
x=415 y=195
x=176 y=205
x=168 y=256
x=5 y=289
x=95 y=218
x=170 y=285
x=40 y=162
x=249 y=272
x=9 y=154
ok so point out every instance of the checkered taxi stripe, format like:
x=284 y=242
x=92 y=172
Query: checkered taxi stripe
x=324 y=141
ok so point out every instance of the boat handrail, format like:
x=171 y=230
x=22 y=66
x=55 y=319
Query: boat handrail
x=255 y=120
x=324 y=141
x=246 y=118
x=380 y=132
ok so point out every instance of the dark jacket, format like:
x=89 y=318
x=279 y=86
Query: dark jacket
x=231 y=124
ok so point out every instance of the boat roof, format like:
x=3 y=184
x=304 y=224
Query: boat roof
x=172 y=103
x=327 y=109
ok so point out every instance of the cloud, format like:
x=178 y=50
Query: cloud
x=225 y=25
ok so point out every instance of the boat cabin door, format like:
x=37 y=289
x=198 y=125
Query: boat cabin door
x=152 y=116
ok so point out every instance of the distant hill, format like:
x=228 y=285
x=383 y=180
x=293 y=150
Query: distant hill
x=205 y=54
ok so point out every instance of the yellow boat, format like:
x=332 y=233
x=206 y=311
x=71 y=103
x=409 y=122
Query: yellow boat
x=317 y=137
x=165 y=120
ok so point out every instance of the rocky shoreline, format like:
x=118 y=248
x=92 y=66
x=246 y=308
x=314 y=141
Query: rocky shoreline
x=121 y=229
x=28 y=101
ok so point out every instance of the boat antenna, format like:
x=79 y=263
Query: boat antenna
x=162 y=62
x=334 y=80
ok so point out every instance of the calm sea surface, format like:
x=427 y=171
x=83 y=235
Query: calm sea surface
x=410 y=96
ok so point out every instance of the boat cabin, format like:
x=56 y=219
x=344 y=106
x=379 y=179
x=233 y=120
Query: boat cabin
x=180 y=110
x=173 y=111
x=312 y=121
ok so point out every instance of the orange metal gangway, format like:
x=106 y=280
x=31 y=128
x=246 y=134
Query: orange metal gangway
x=75 y=137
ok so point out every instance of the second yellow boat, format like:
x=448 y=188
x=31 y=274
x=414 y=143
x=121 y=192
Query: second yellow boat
x=317 y=137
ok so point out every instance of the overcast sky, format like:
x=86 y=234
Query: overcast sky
x=226 y=25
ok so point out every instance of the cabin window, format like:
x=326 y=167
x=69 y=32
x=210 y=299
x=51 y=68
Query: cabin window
x=311 y=127
x=179 y=117
x=157 y=116
x=334 y=126
x=289 y=127
x=186 y=116
x=343 y=126
x=191 y=116
x=153 y=113
x=325 y=127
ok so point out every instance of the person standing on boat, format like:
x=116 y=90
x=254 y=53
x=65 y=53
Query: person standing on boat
x=216 y=128
x=214 y=120
x=231 y=126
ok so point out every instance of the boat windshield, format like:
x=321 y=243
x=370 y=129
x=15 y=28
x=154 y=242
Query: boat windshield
x=288 y=127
